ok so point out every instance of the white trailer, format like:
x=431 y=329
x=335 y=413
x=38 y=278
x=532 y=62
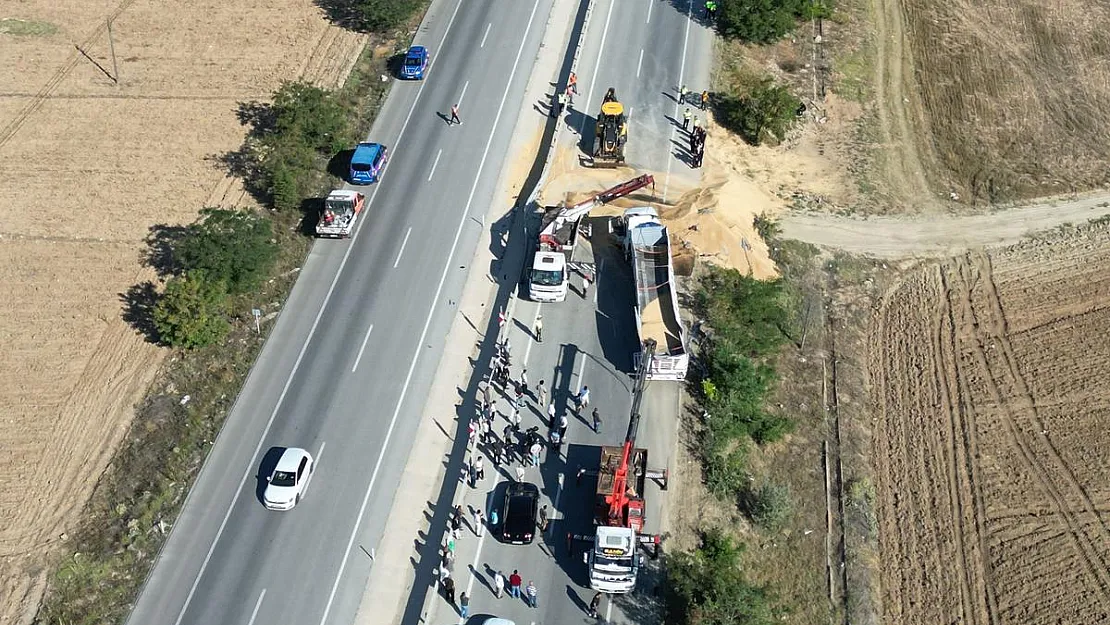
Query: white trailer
x=648 y=247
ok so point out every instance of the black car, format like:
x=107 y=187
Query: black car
x=522 y=502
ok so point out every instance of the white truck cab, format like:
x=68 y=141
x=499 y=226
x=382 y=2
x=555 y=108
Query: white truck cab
x=613 y=561
x=550 y=276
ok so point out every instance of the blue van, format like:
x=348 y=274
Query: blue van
x=368 y=163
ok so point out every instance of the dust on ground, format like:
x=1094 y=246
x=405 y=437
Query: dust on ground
x=93 y=153
x=988 y=438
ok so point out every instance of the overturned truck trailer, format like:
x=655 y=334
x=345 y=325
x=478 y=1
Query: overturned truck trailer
x=648 y=247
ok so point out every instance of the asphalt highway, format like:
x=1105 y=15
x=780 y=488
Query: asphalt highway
x=587 y=340
x=646 y=50
x=347 y=368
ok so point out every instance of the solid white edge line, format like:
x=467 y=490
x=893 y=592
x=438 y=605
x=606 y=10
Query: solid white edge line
x=257 y=604
x=488 y=26
x=434 y=164
x=300 y=356
x=358 y=358
x=678 y=105
x=428 y=321
x=597 y=64
x=402 y=250
x=640 y=63
x=650 y=3
x=462 y=96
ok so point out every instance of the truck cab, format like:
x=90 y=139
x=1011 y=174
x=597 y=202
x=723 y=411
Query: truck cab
x=613 y=562
x=549 y=278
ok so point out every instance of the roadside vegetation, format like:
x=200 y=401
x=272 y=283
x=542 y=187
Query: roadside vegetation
x=756 y=413
x=215 y=271
x=749 y=102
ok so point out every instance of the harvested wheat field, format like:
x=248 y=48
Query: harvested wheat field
x=1016 y=94
x=990 y=444
x=91 y=157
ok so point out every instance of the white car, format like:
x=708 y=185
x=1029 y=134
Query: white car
x=287 y=484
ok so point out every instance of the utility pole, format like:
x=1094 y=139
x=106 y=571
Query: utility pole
x=112 y=46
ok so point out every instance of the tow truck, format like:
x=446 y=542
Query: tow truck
x=559 y=226
x=341 y=209
x=612 y=559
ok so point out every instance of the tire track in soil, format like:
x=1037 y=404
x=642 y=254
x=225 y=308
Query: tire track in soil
x=976 y=594
x=12 y=127
x=972 y=272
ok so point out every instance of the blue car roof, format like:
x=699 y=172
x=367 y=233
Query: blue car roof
x=365 y=153
x=416 y=51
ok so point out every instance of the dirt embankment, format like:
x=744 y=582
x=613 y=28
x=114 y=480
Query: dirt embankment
x=93 y=153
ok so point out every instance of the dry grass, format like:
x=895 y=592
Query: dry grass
x=1016 y=94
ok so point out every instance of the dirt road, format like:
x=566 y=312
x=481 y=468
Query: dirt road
x=938 y=235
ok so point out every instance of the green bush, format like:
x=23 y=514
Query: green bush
x=385 y=15
x=768 y=505
x=707 y=587
x=309 y=115
x=765 y=21
x=234 y=247
x=767 y=227
x=191 y=312
x=767 y=112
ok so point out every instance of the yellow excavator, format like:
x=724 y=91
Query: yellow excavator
x=611 y=132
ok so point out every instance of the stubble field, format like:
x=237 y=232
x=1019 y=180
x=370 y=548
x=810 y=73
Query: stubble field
x=87 y=166
x=989 y=445
x=1015 y=94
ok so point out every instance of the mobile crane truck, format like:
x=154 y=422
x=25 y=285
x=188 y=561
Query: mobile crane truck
x=550 y=271
x=612 y=559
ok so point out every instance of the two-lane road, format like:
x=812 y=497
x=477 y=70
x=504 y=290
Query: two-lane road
x=347 y=369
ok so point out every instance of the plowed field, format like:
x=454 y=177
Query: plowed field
x=991 y=448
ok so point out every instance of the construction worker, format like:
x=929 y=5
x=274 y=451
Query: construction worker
x=710 y=9
x=537 y=329
x=561 y=103
x=454 y=115
x=686 y=119
x=573 y=82
x=704 y=100
x=682 y=92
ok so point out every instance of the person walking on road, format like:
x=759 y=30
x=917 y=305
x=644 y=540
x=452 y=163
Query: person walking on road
x=597 y=421
x=449 y=590
x=533 y=594
x=585 y=285
x=454 y=116
x=572 y=83
x=514 y=584
x=479 y=470
x=682 y=92
x=520 y=474
x=537 y=328
x=551 y=412
x=486 y=393
x=686 y=118
x=498 y=584
x=464 y=605
x=541 y=393
x=704 y=100
x=523 y=380
x=535 y=450
x=564 y=423
x=583 y=398
x=479 y=523
x=594 y=604
x=560 y=104
x=543 y=519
